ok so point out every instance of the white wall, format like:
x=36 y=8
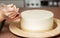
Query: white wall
x=18 y=3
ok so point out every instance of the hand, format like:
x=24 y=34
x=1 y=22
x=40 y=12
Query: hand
x=12 y=16
x=11 y=12
x=1 y=16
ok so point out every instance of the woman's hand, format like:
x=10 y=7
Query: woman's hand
x=1 y=16
x=10 y=12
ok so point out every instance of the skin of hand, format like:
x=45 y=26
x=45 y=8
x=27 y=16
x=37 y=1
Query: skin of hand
x=1 y=16
x=10 y=12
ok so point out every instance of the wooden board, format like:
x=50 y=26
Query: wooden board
x=15 y=29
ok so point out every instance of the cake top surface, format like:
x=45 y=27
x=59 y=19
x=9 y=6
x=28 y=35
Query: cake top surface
x=36 y=14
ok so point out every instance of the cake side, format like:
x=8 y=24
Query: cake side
x=41 y=26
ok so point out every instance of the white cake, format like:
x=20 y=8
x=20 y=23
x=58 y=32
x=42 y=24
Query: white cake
x=37 y=20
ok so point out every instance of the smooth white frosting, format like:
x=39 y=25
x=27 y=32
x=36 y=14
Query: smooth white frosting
x=36 y=20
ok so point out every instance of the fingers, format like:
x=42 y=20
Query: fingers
x=18 y=16
x=11 y=11
x=10 y=8
x=12 y=15
x=17 y=9
x=10 y=5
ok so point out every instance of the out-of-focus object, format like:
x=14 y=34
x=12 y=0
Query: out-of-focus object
x=32 y=3
x=2 y=24
x=41 y=3
x=18 y=3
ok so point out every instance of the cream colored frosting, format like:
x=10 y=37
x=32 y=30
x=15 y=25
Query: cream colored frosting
x=36 y=20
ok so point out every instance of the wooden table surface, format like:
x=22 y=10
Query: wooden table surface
x=5 y=33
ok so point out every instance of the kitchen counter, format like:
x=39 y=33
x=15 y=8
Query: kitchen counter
x=5 y=33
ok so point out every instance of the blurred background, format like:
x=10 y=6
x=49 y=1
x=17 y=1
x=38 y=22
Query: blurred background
x=32 y=3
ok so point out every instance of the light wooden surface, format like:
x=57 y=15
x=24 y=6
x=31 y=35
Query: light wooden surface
x=15 y=28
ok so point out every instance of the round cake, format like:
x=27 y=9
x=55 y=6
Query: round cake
x=36 y=20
